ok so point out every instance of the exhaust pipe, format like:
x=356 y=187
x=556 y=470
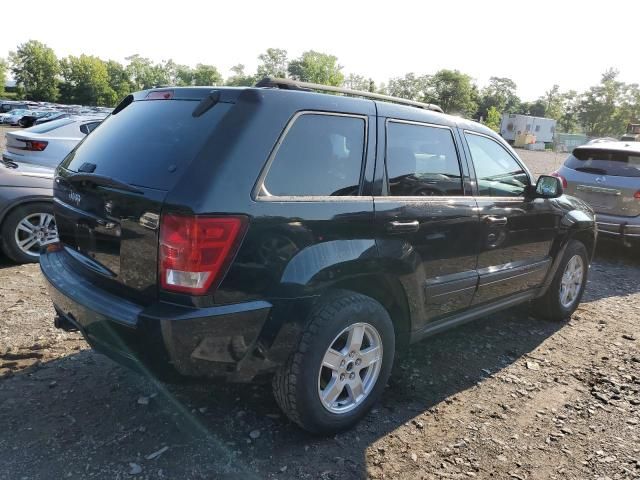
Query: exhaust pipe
x=63 y=323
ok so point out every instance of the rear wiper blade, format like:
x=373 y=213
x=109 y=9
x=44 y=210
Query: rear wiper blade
x=598 y=171
x=103 y=180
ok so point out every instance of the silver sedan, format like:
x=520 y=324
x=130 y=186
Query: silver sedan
x=27 y=223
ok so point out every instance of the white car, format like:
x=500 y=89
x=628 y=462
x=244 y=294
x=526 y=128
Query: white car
x=47 y=144
x=12 y=117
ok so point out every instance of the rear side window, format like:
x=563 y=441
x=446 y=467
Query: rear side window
x=605 y=162
x=422 y=161
x=497 y=172
x=149 y=143
x=320 y=155
x=49 y=126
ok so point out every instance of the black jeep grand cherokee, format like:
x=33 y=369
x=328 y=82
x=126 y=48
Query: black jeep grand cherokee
x=275 y=230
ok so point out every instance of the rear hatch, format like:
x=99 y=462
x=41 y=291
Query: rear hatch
x=110 y=191
x=606 y=178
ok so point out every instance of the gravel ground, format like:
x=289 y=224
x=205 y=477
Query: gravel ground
x=505 y=397
x=541 y=162
x=508 y=396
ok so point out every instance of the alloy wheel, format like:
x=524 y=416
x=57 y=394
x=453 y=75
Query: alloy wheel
x=571 y=282
x=350 y=368
x=35 y=231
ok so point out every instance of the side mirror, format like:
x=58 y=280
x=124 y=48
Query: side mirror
x=549 y=187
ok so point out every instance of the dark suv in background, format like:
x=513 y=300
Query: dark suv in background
x=249 y=232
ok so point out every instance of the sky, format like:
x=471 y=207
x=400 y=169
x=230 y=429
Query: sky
x=537 y=44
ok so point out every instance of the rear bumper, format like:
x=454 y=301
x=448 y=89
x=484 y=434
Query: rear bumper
x=620 y=227
x=163 y=339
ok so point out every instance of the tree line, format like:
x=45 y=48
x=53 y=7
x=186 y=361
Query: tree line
x=602 y=110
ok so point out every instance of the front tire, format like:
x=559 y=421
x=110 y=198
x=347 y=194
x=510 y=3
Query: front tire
x=341 y=364
x=565 y=292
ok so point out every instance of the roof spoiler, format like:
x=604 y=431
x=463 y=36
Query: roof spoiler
x=288 y=84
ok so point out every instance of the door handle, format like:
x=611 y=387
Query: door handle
x=495 y=221
x=402 y=227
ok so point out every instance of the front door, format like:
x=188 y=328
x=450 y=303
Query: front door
x=516 y=232
x=424 y=220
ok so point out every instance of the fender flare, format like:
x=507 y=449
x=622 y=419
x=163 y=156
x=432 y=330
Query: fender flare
x=324 y=263
x=575 y=223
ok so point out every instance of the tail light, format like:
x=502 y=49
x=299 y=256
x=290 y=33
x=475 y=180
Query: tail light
x=34 y=145
x=637 y=195
x=562 y=179
x=195 y=251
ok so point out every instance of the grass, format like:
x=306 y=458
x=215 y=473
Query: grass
x=9 y=96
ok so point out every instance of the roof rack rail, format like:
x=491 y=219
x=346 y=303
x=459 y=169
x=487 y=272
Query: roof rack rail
x=288 y=84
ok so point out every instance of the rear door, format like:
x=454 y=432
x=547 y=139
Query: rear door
x=110 y=190
x=516 y=232
x=425 y=220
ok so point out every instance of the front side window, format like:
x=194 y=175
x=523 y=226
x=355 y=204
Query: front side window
x=422 y=161
x=497 y=172
x=321 y=155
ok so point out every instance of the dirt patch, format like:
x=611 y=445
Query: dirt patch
x=541 y=162
x=504 y=397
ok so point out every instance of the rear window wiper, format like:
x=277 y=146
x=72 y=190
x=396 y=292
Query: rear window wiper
x=597 y=171
x=102 y=180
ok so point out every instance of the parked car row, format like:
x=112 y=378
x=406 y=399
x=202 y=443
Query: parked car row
x=27 y=114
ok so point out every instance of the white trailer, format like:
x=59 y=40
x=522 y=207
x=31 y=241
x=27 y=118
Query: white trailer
x=513 y=124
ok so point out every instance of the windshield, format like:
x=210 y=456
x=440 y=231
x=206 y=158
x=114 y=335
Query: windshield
x=605 y=162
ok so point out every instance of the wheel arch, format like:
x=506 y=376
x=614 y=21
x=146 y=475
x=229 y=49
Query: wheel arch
x=575 y=225
x=21 y=201
x=390 y=294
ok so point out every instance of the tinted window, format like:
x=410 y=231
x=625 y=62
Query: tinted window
x=49 y=126
x=149 y=143
x=320 y=155
x=605 y=162
x=498 y=174
x=422 y=161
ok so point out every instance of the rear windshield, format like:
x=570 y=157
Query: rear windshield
x=148 y=144
x=605 y=162
x=52 y=125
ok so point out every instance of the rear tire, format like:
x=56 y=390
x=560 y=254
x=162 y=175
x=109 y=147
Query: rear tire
x=331 y=381
x=565 y=292
x=20 y=245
